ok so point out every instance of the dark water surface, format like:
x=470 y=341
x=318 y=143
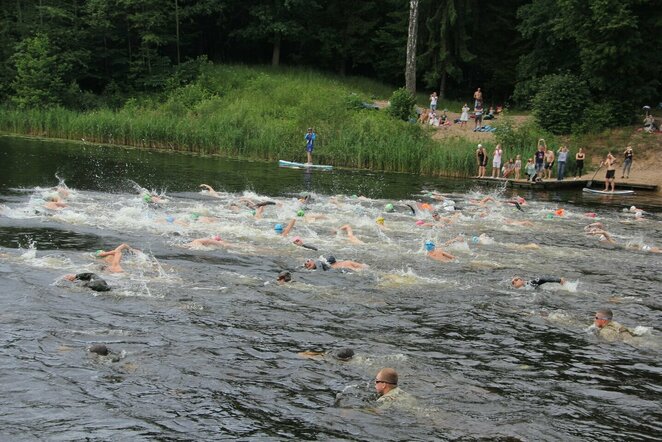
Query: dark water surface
x=205 y=344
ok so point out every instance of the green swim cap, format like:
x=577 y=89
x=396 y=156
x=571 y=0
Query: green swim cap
x=147 y=198
x=549 y=216
x=98 y=253
x=195 y=215
x=389 y=207
x=253 y=212
x=301 y=213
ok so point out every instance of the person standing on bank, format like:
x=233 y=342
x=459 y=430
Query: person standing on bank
x=610 y=162
x=627 y=162
x=563 y=157
x=310 y=144
x=433 y=101
x=579 y=162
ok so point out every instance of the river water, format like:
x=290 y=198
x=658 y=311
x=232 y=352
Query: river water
x=205 y=344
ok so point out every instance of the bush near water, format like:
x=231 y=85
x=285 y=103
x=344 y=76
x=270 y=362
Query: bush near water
x=262 y=113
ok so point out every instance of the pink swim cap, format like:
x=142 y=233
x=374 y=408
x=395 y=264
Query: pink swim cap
x=591 y=214
x=420 y=222
x=296 y=239
x=216 y=237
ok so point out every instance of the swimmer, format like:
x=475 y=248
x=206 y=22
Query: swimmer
x=342 y=354
x=299 y=242
x=386 y=385
x=278 y=228
x=644 y=248
x=152 y=198
x=519 y=282
x=214 y=241
x=350 y=234
x=610 y=330
x=437 y=254
x=603 y=235
x=331 y=263
x=284 y=277
x=381 y=223
x=210 y=190
x=113 y=257
x=90 y=280
x=54 y=202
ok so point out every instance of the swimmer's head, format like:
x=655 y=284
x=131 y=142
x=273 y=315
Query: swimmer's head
x=284 y=276
x=389 y=208
x=380 y=220
x=517 y=282
x=591 y=214
x=297 y=240
x=170 y=219
x=195 y=216
x=435 y=215
x=549 y=216
x=98 y=253
x=147 y=198
x=638 y=214
x=278 y=228
x=344 y=354
x=301 y=212
x=216 y=237
x=475 y=239
x=633 y=208
x=420 y=222
x=253 y=212
x=429 y=246
x=310 y=264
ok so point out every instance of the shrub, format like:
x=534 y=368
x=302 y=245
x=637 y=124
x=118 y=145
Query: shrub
x=402 y=104
x=560 y=102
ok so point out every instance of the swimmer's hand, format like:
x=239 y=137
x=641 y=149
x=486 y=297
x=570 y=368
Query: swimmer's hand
x=69 y=277
x=563 y=281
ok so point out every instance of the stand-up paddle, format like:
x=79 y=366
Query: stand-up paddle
x=591 y=180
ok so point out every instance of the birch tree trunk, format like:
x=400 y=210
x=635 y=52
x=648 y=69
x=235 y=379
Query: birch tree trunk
x=410 y=69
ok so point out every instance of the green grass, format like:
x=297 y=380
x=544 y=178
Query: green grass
x=260 y=113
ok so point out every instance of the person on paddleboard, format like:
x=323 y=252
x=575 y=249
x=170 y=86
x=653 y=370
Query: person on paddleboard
x=310 y=144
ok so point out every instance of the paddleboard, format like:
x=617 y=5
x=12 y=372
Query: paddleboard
x=283 y=163
x=615 y=192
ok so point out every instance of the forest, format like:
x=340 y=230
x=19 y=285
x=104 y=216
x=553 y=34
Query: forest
x=594 y=61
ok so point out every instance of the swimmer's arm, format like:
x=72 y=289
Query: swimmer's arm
x=209 y=189
x=289 y=227
x=545 y=279
x=259 y=212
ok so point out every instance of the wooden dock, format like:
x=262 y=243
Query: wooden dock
x=564 y=185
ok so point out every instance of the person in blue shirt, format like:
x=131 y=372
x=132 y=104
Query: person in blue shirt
x=310 y=144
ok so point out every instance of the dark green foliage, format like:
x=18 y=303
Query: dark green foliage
x=39 y=73
x=402 y=104
x=560 y=102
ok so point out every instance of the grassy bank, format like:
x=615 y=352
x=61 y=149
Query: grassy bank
x=261 y=113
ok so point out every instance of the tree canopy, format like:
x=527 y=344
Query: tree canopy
x=509 y=48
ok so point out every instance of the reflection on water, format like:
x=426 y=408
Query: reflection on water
x=208 y=344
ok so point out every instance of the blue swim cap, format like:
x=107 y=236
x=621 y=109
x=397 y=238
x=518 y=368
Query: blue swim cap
x=429 y=246
x=278 y=228
x=170 y=218
x=475 y=239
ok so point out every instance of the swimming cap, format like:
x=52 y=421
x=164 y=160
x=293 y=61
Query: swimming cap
x=331 y=259
x=429 y=246
x=638 y=214
x=559 y=212
x=389 y=207
x=170 y=218
x=147 y=198
x=632 y=208
x=296 y=239
x=420 y=222
x=475 y=239
x=195 y=216
x=285 y=276
x=216 y=237
x=549 y=216
x=98 y=252
x=591 y=214
x=380 y=220
x=301 y=213
x=278 y=228
x=253 y=212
